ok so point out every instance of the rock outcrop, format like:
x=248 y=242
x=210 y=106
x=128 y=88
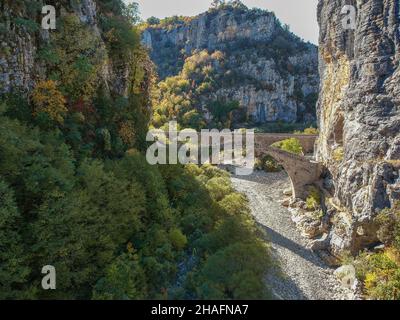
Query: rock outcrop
x=270 y=71
x=359 y=117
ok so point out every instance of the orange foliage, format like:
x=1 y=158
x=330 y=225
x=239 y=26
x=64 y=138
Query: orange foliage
x=46 y=98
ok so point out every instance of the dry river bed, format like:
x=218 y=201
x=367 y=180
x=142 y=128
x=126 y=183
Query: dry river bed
x=302 y=275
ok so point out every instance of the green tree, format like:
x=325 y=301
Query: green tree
x=131 y=13
x=227 y=273
x=152 y=21
x=14 y=270
x=124 y=280
x=222 y=111
x=217 y=3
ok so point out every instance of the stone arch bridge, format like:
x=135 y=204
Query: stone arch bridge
x=302 y=171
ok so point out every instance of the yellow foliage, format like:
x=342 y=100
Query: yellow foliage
x=217 y=55
x=311 y=130
x=46 y=98
x=338 y=154
x=313 y=201
x=370 y=281
x=394 y=255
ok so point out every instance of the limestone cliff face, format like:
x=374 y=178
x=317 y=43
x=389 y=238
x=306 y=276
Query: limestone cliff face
x=274 y=73
x=359 y=116
x=22 y=40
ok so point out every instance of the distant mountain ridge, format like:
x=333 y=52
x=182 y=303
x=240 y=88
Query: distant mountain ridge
x=271 y=72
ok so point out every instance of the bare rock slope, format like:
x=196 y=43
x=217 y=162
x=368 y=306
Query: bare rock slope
x=359 y=116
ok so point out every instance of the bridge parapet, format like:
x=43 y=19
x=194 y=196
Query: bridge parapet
x=264 y=140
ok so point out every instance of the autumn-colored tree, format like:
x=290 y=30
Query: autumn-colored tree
x=48 y=99
x=127 y=132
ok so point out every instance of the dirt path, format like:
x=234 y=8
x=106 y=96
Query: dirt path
x=305 y=275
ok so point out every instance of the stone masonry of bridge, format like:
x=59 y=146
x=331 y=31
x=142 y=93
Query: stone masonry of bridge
x=302 y=171
x=307 y=141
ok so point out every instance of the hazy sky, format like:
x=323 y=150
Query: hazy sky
x=299 y=14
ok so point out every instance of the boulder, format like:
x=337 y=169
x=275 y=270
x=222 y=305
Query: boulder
x=347 y=276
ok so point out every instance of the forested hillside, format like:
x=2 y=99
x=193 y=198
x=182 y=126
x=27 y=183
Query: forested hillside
x=231 y=66
x=75 y=189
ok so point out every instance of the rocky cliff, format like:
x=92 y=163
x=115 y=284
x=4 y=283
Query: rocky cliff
x=270 y=71
x=29 y=53
x=359 y=117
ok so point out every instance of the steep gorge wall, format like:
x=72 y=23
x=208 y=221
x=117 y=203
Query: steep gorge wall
x=359 y=116
x=23 y=41
x=271 y=72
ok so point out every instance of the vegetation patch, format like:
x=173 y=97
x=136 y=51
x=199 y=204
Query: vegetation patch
x=380 y=272
x=291 y=145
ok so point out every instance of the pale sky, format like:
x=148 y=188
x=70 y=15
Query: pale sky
x=301 y=15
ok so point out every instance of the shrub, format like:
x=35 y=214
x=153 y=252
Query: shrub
x=291 y=145
x=380 y=275
x=29 y=25
x=219 y=187
x=268 y=164
x=380 y=272
x=338 y=154
x=313 y=200
x=310 y=130
x=389 y=226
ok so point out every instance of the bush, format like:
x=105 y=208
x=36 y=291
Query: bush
x=291 y=145
x=313 y=201
x=29 y=25
x=389 y=226
x=338 y=154
x=310 y=130
x=269 y=164
x=380 y=275
x=380 y=272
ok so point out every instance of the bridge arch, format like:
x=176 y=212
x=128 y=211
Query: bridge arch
x=301 y=170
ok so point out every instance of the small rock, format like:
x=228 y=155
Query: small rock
x=285 y=203
x=320 y=243
x=347 y=275
x=288 y=192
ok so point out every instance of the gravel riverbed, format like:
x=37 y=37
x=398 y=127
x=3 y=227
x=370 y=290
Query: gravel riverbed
x=303 y=275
